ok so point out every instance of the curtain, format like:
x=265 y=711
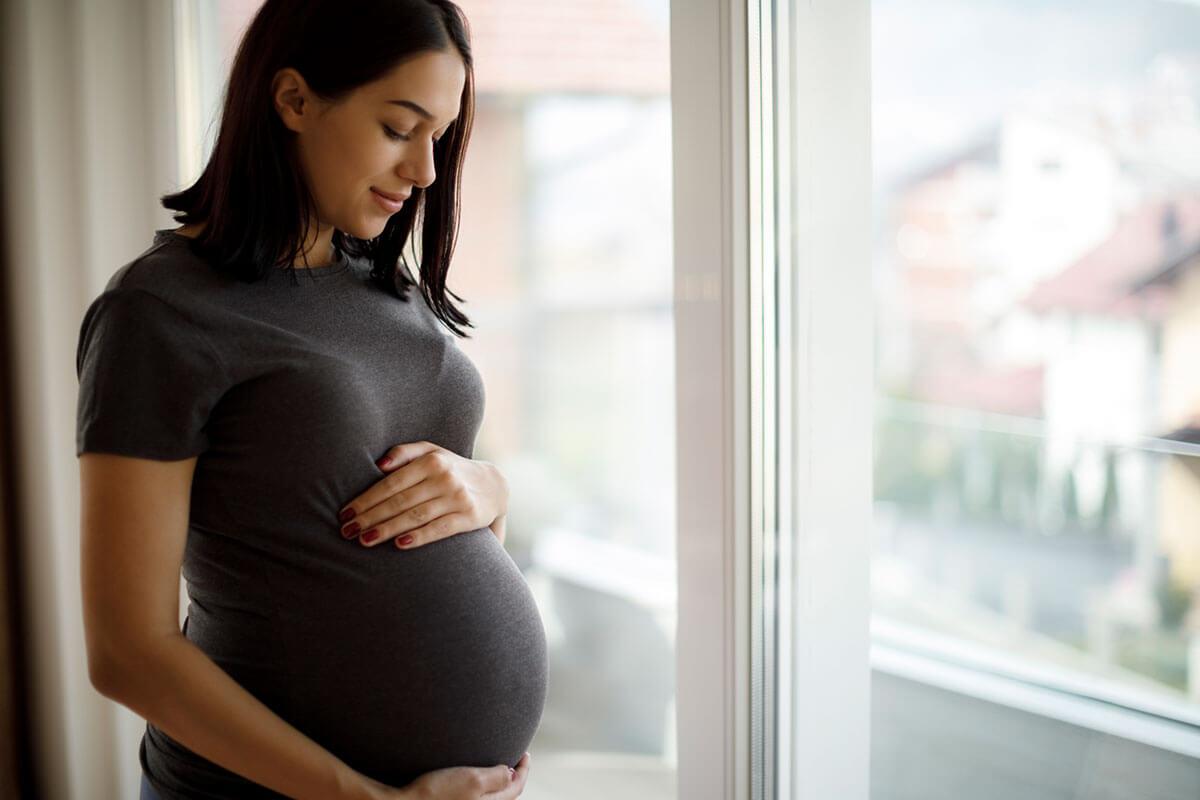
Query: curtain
x=87 y=141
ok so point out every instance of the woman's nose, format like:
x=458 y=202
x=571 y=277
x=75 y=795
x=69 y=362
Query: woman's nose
x=419 y=166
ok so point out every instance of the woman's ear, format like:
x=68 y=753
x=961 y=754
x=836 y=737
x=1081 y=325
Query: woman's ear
x=293 y=101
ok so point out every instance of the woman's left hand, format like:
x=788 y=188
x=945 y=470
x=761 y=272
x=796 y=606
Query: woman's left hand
x=430 y=493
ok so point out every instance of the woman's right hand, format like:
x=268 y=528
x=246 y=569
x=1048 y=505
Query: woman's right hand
x=465 y=783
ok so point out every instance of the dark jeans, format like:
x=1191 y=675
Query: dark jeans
x=147 y=792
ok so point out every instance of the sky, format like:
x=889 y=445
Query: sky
x=942 y=69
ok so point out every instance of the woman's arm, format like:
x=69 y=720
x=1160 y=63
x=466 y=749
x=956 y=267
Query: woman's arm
x=134 y=527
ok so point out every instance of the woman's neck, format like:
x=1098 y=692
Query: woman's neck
x=322 y=242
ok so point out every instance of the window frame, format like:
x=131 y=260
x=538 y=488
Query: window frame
x=710 y=199
x=772 y=695
x=790 y=695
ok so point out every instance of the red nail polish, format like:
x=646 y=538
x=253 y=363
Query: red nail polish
x=350 y=530
x=403 y=540
x=383 y=462
x=346 y=515
x=369 y=536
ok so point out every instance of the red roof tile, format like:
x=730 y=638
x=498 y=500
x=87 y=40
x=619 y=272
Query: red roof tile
x=1001 y=390
x=1102 y=281
x=607 y=46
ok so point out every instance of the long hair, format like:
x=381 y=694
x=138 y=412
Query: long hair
x=252 y=196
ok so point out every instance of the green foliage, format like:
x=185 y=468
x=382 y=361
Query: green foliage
x=1158 y=654
x=1070 y=502
x=1111 y=502
x=916 y=463
x=1174 y=600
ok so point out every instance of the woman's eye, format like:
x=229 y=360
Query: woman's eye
x=391 y=134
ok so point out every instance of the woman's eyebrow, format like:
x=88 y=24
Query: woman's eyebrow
x=413 y=106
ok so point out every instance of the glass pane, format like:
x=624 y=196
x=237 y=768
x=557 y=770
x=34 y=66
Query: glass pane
x=565 y=255
x=564 y=260
x=1037 y=480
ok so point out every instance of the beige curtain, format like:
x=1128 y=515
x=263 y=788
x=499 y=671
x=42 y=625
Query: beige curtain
x=88 y=144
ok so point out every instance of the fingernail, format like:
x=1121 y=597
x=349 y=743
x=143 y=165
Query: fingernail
x=403 y=540
x=346 y=515
x=383 y=462
x=369 y=536
x=512 y=774
x=350 y=530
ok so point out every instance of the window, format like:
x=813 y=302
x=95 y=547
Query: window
x=1035 y=476
x=935 y=467
x=1035 y=233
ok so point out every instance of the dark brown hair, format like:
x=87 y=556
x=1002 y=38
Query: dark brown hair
x=252 y=196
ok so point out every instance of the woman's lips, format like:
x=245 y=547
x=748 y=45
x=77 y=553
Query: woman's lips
x=390 y=203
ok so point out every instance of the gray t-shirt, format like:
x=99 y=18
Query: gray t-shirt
x=399 y=662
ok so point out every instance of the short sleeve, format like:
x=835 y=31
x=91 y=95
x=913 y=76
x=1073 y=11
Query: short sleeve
x=148 y=379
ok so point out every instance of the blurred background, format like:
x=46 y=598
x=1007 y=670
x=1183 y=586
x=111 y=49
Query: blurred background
x=1037 y=415
x=1037 y=486
x=1038 y=314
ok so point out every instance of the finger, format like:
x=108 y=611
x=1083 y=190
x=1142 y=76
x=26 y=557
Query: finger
x=398 y=479
x=402 y=479
x=494 y=779
x=516 y=783
x=399 y=455
x=520 y=775
x=403 y=525
x=441 y=528
x=394 y=507
x=436 y=463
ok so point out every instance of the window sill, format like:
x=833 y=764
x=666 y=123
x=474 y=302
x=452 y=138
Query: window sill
x=969 y=670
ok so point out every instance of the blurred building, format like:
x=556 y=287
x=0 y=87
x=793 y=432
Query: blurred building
x=1042 y=314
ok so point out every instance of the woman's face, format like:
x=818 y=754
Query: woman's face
x=362 y=155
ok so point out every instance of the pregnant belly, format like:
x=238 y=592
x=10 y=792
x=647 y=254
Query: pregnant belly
x=401 y=662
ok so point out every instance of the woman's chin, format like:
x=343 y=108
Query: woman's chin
x=364 y=230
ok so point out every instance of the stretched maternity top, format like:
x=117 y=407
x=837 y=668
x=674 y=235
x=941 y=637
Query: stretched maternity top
x=397 y=661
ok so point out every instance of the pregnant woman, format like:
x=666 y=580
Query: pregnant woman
x=270 y=401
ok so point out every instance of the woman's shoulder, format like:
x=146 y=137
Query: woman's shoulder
x=170 y=271
x=165 y=302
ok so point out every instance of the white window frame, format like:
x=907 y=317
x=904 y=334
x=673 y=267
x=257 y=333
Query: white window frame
x=783 y=710
x=708 y=107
